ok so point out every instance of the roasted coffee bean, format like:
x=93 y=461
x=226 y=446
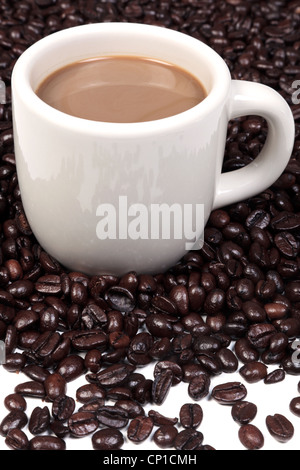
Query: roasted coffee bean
x=46 y=443
x=161 y=386
x=107 y=439
x=82 y=423
x=251 y=437
x=278 y=343
x=260 y=334
x=228 y=360
x=50 y=284
x=55 y=385
x=92 y=360
x=161 y=420
x=295 y=406
x=36 y=372
x=21 y=289
x=89 y=392
x=171 y=366
x=71 y=367
x=142 y=393
x=63 y=407
x=277 y=375
x=139 y=429
x=229 y=393
x=16 y=439
x=254 y=372
x=188 y=439
x=39 y=420
x=31 y=389
x=159 y=325
x=91 y=339
x=191 y=415
x=15 y=419
x=92 y=406
x=198 y=387
x=114 y=375
x=119 y=340
x=280 y=427
x=206 y=344
x=165 y=436
x=15 y=401
x=49 y=319
x=210 y=362
x=164 y=304
x=290 y=366
x=14 y=362
x=119 y=393
x=25 y=319
x=161 y=349
x=112 y=416
x=254 y=312
x=59 y=429
x=120 y=298
x=292 y=291
x=244 y=412
x=179 y=296
x=132 y=408
x=245 y=351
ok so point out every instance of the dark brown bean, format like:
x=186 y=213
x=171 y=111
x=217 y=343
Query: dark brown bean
x=114 y=375
x=191 y=415
x=165 y=435
x=82 y=423
x=15 y=419
x=107 y=439
x=254 y=372
x=277 y=375
x=46 y=443
x=112 y=416
x=260 y=334
x=161 y=420
x=198 y=387
x=39 y=420
x=188 y=439
x=55 y=385
x=63 y=407
x=173 y=367
x=229 y=393
x=31 y=389
x=295 y=406
x=245 y=351
x=251 y=437
x=132 y=408
x=16 y=439
x=161 y=386
x=280 y=427
x=71 y=367
x=244 y=412
x=89 y=392
x=228 y=360
x=15 y=401
x=139 y=429
x=35 y=372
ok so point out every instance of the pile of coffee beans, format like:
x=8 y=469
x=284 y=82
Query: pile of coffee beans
x=236 y=301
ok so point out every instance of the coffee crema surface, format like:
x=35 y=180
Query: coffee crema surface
x=121 y=89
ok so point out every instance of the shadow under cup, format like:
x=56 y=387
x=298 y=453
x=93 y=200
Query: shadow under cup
x=72 y=172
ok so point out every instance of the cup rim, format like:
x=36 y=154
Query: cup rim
x=21 y=83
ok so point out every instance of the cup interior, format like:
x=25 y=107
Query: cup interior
x=88 y=41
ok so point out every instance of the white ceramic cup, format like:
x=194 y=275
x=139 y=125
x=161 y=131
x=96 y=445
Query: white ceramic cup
x=73 y=173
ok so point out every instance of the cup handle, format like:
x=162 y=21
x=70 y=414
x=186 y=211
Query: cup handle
x=249 y=98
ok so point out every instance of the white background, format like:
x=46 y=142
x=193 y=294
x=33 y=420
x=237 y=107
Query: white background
x=218 y=427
